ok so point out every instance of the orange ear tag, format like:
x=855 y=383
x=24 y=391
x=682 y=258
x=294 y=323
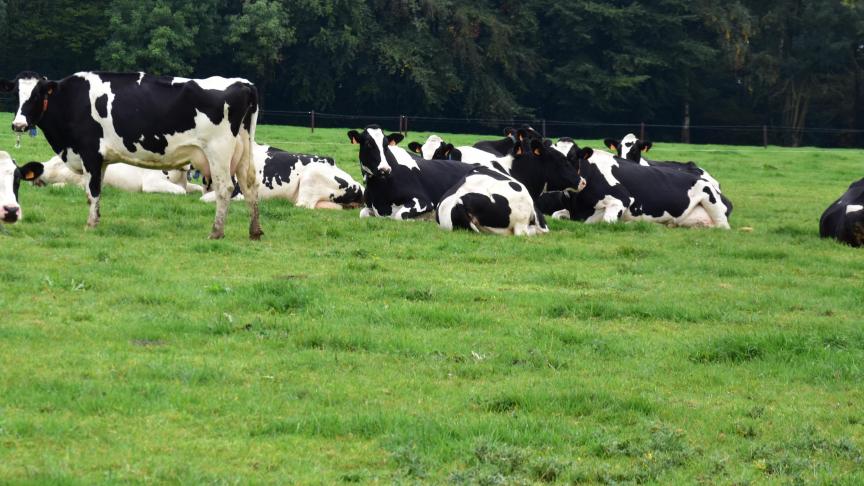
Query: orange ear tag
x=45 y=104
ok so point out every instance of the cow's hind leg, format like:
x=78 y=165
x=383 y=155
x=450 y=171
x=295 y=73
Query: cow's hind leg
x=223 y=187
x=247 y=179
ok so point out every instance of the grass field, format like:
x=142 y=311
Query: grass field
x=347 y=350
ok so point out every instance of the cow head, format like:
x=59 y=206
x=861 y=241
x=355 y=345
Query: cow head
x=428 y=149
x=10 y=180
x=376 y=160
x=629 y=147
x=34 y=93
x=541 y=167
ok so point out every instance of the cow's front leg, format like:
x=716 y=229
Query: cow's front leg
x=96 y=172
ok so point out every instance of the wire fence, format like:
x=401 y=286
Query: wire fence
x=745 y=135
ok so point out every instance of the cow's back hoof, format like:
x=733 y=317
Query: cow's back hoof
x=217 y=235
x=256 y=236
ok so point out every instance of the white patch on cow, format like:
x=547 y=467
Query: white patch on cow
x=472 y=155
x=604 y=161
x=854 y=208
x=627 y=144
x=378 y=137
x=120 y=176
x=607 y=210
x=25 y=89
x=403 y=157
x=427 y=151
x=563 y=146
x=7 y=179
x=140 y=77
x=399 y=212
x=522 y=218
x=215 y=82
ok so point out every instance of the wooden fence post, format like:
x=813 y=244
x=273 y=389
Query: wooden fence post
x=312 y=120
x=642 y=131
x=765 y=136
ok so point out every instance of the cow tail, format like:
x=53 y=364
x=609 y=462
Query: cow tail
x=252 y=112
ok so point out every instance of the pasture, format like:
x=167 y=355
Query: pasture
x=347 y=350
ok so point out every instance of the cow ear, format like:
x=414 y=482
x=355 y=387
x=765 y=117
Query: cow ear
x=6 y=85
x=354 y=137
x=611 y=143
x=518 y=151
x=646 y=146
x=415 y=147
x=448 y=149
x=31 y=171
x=510 y=132
x=48 y=87
x=394 y=138
x=585 y=153
x=537 y=147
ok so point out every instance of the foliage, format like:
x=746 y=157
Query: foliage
x=782 y=62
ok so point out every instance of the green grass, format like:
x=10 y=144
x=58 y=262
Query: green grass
x=348 y=350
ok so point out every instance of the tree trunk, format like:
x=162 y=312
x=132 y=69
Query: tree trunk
x=685 y=129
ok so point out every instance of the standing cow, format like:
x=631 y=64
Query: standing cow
x=10 y=180
x=92 y=119
x=844 y=219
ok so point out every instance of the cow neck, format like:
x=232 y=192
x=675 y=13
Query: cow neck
x=53 y=125
x=532 y=179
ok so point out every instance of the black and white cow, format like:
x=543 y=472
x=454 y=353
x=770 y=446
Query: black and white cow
x=122 y=176
x=10 y=180
x=490 y=201
x=619 y=190
x=844 y=219
x=399 y=186
x=308 y=181
x=435 y=148
x=92 y=119
x=632 y=148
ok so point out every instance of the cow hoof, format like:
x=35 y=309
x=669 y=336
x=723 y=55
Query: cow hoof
x=256 y=235
x=217 y=235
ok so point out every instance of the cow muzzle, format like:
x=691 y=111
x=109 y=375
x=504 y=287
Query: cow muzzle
x=11 y=214
x=384 y=170
x=20 y=127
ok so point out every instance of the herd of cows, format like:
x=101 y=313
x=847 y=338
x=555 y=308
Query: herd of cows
x=146 y=133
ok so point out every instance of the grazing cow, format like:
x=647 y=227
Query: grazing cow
x=844 y=219
x=124 y=177
x=397 y=185
x=92 y=119
x=619 y=190
x=488 y=201
x=308 y=181
x=10 y=180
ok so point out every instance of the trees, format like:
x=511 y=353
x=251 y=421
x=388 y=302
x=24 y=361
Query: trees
x=783 y=62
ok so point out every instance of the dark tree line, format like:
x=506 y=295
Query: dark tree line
x=786 y=63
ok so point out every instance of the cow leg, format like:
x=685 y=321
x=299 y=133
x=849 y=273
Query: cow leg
x=247 y=179
x=96 y=173
x=715 y=207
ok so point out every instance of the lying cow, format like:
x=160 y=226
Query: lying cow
x=10 y=180
x=503 y=201
x=435 y=148
x=308 y=181
x=490 y=201
x=93 y=119
x=124 y=177
x=631 y=148
x=844 y=219
x=620 y=190
x=397 y=185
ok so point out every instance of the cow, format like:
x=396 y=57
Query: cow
x=631 y=148
x=308 y=181
x=93 y=119
x=10 y=180
x=844 y=219
x=489 y=201
x=435 y=148
x=122 y=176
x=620 y=190
x=397 y=185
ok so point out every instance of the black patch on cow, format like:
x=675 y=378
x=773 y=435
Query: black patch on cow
x=836 y=223
x=710 y=193
x=499 y=148
x=102 y=106
x=280 y=164
x=516 y=186
x=481 y=210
